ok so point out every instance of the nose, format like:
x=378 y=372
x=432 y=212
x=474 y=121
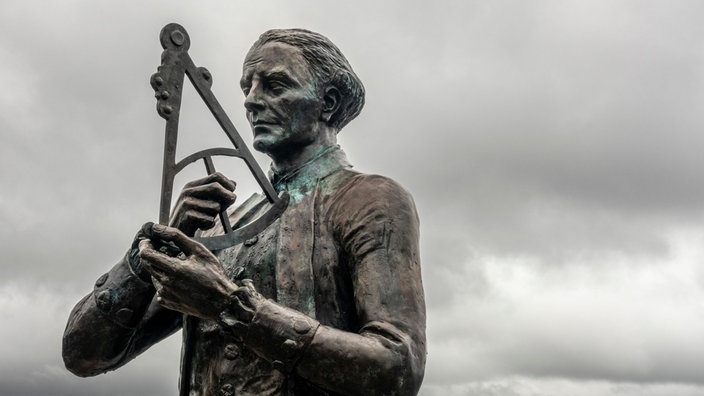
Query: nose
x=253 y=102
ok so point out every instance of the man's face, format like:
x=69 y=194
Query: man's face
x=282 y=102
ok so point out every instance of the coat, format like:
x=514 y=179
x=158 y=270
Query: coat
x=344 y=311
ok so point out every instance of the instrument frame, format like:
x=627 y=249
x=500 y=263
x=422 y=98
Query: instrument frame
x=168 y=84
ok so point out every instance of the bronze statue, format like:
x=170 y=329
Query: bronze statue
x=326 y=300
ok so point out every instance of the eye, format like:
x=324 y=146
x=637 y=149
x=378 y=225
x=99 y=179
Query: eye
x=277 y=86
x=245 y=90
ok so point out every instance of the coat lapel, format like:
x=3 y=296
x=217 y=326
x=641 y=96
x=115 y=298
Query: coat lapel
x=295 y=281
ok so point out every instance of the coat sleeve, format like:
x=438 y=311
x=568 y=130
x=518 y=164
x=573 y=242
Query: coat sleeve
x=114 y=323
x=378 y=230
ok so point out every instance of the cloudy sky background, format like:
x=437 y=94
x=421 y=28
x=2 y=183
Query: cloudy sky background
x=554 y=149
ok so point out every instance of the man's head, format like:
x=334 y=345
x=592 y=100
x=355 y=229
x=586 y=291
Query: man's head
x=327 y=64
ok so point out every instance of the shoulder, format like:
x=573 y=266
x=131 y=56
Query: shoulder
x=372 y=212
x=370 y=194
x=365 y=187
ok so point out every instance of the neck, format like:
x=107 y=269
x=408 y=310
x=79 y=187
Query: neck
x=304 y=156
x=293 y=159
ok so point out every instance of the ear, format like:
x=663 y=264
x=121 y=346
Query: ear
x=331 y=103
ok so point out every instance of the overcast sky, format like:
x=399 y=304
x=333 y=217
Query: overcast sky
x=554 y=150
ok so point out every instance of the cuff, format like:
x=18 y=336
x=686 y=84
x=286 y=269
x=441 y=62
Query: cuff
x=278 y=334
x=122 y=296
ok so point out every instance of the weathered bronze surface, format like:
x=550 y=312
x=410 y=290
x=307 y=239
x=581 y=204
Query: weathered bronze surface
x=325 y=298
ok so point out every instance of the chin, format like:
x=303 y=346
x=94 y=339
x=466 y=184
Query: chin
x=265 y=145
x=266 y=138
x=260 y=146
x=276 y=148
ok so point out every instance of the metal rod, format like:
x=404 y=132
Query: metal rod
x=224 y=218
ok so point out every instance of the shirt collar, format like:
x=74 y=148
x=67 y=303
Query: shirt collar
x=326 y=162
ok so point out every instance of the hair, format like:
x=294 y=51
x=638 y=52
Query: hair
x=328 y=65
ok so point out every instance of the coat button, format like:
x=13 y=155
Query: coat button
x=124 y=315
x=102 y=300
x=232 y=351
x=301 y=326
x=101 y=281
x=289 y=347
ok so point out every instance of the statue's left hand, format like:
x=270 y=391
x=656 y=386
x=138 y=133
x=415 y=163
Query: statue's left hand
x=193 y=282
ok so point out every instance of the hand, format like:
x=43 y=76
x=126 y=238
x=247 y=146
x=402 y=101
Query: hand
x=193 y=282
x=133 y=253
x=200 y=202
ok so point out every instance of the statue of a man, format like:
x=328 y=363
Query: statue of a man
x=327 y=300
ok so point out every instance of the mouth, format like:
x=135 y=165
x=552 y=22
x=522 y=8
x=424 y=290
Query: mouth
x=260 y=128
x=262 y=123
x=257 y=120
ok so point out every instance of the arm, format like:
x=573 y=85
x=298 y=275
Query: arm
x=116 y=322
x=121 y=318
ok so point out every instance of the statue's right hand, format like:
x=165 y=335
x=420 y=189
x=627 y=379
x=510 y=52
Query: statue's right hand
x=200 y=202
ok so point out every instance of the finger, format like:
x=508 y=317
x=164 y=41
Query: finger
x=153 y=260
x=199 y=220
x=158 y=276
x=245 y=312
x=215 y=177
x=145 y=244
x=201 y=205
x=164 y=291
x=222 y=180
x=142 y=233
x=187 y=245
x=157 y=285
x=146 y=228
x=183 y=216
x=249 y=284
x=201 y=181
x=164 y=302
x=211 y=191
x=167 y=300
